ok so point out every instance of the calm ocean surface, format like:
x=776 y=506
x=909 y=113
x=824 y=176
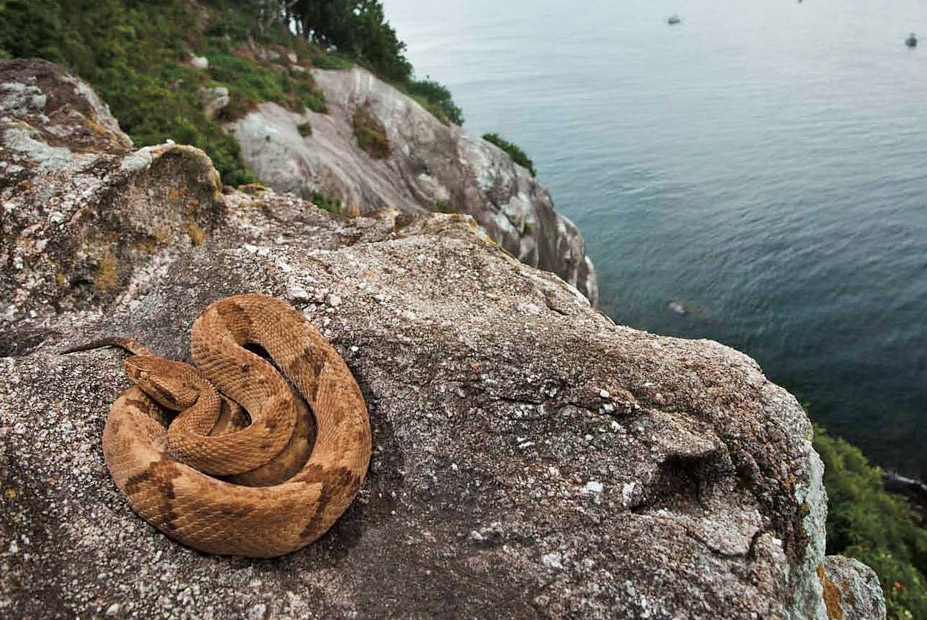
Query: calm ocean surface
x=763 y=163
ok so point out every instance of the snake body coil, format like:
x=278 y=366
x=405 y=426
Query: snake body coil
x=272 y=499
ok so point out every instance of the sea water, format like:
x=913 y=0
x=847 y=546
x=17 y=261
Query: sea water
x=756 y=174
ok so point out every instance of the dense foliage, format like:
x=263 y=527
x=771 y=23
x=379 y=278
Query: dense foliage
x=514 y=151
x=866 y=522
x=436 y=98
x=136 y=55
x=356 y=28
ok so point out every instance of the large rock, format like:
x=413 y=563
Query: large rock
x=851 y=590
x=531 y=458
x=213 y=100
x=430 y=167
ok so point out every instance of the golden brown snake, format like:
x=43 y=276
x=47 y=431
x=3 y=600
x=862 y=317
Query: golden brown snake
x=271 y=499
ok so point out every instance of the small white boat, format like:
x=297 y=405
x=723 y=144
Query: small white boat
x=673 y=19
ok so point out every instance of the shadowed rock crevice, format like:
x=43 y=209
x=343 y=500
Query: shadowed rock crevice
x=681 y=480
x=24 y=341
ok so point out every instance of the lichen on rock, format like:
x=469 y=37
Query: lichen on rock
x=851 y=590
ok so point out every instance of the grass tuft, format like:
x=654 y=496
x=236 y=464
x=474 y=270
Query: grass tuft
x=370 y=133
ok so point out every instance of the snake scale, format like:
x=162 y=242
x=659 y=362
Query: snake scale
x=221 y=481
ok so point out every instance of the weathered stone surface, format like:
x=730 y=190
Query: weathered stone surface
x=198 y=62
x=80 y=209
x=46 y=112
x=430 y=167
x=851 y=590
x=531 y=458
x=213 y=100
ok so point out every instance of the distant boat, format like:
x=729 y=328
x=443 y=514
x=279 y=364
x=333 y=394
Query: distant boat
x=673 y=19
x=911 y=41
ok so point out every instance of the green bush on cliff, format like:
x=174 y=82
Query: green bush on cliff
x=135 y=54
x=251 y=82
x=514 y=151
x=132 y=53
x=435 y=98
x=370 y=134
x=358 y=30
x=866 y=522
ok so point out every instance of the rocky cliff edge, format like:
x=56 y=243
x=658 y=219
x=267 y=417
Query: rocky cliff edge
x=422 y=165
x=531 y=458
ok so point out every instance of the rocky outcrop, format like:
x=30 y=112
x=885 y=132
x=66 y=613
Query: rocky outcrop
x=430 y=167
x=213 y=100
x=531 y=458
x=851 y=590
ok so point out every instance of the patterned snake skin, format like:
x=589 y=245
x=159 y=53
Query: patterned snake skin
x=211 y=479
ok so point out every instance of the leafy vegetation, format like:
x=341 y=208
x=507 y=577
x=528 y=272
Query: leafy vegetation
x=435 y=98
x=515 y=152
x=370 y=134
x=251 y=82
x=136 y=55
x=327 y=203
x=866 y=522
x=356 y=28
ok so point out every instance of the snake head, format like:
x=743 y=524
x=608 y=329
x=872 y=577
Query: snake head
x=174 y=385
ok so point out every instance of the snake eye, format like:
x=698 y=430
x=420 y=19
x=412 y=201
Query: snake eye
x=143 y=375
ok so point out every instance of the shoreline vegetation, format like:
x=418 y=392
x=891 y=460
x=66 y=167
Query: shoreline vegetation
x=881 y=529
x=138 y=58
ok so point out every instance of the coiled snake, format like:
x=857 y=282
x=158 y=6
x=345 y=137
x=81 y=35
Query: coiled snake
x=211 y=479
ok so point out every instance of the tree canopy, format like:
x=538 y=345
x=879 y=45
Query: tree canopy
x=355 y=28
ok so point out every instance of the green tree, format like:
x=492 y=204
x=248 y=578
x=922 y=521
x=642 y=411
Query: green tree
x=436 y=98
x=357 y=28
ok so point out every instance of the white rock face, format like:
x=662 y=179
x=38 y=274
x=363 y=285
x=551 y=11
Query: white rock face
x=199 y=62
x=430 y=167
x=213 y=100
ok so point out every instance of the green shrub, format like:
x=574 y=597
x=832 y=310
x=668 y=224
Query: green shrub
x=250 y=82
x=134 y=54
x=329 y=203
x=866 y=522
x=435 y=98
x=304 y=129
x=330 y=61
x=370 y=134
x=517 y=155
